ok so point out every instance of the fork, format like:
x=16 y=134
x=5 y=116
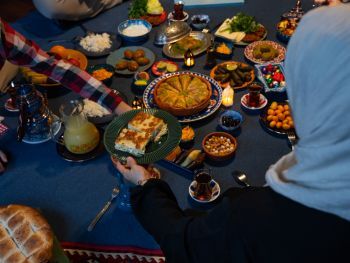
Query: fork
x=114 y=194
x=292 y=138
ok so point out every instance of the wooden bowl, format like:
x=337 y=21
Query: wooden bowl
x=219 y=156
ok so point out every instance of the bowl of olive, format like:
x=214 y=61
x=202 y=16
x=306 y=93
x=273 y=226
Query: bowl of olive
x=230 y=120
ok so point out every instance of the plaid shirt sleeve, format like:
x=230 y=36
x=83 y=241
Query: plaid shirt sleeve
x=23 y=52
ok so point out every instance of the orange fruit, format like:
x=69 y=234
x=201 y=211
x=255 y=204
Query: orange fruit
x=59 y=50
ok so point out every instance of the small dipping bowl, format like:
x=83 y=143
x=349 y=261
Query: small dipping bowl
x=225 y=122
x=107 y=67
x=141 y=79
x=200 y=21
x=132 y=22
x=219 y=156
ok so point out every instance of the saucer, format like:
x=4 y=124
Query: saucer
x=262 y=102
x=171 y=17
x=9 y=107
x=215 y=192
x=72 y=157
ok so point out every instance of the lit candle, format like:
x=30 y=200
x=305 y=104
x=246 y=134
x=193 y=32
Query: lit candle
x=227 y=96
x=189 y=58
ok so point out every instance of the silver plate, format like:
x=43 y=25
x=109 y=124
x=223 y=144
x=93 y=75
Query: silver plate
x=204 y=37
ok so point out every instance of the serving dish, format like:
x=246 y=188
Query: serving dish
x=159 y=72
x=115 y=44
x=266 y=122
x=200 y=21
x=95 y=68
x=171 y=50
x=240 y=38
x=154 y=151
x=43 y=81
x=183 y=94
x=155 y=20
x=118 y=55
x=228 y=68
x=223 y=45
x=215 y=100
x=220 y=155
x=171 y=32
x=215 y=188
x=250 y=52
x=229 y=116
x=272 y=76
x=134 y=22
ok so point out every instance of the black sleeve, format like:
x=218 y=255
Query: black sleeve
x=187 y=236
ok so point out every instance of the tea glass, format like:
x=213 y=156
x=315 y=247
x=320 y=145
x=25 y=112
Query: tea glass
x=202 y=189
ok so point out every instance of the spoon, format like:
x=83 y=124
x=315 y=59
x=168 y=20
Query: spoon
x=240 y=178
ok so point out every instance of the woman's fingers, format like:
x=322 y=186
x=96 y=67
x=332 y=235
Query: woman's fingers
x=3 y=157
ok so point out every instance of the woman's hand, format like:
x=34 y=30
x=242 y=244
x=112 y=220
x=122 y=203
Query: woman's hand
x=132 y=172
x=3 y=161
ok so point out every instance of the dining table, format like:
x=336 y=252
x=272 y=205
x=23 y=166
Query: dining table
x=70 y=194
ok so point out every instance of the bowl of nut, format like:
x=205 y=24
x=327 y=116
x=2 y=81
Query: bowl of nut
x=230 y=120
x=219 y=146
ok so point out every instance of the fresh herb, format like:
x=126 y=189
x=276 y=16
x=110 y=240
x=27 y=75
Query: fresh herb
x=138 y=8
x=242 y=23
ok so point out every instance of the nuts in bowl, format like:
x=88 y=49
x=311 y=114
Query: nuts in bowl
x=219 y=146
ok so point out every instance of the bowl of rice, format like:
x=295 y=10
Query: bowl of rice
x=96 y=44
x=134 y=30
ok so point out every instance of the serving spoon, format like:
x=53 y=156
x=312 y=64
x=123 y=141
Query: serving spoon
x=240 y=178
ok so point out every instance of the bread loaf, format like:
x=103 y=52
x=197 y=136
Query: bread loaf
x=25 y=236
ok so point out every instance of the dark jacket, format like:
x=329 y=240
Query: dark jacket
x=247 y=225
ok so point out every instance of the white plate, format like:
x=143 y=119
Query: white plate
x=171 y=17
x=262 y=102
x=214 y=195
x=56 y=129
x=9 y=107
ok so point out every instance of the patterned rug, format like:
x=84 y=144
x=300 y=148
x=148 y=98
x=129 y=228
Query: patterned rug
x=85 y=253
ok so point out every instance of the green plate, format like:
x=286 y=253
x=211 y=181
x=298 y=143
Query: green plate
x=154 y=151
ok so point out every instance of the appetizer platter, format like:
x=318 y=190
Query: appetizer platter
x=197 y=41
x=241 y=29
x=71 y=56
x=149 y=10
x=206 y=106
x=265 y=51
x=98 y=44
x=235 y=74
x=148 y=135
x=277 y=118
x=128 y=60
x=162 y=67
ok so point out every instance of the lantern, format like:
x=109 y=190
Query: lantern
x=189 y=58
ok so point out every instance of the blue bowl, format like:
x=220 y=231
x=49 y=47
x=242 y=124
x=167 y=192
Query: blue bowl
x=109 y=68
x=199 y=22
x=122 y=26
x=235 y=115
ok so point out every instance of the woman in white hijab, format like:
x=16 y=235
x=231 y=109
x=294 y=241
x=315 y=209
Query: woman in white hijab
x=303 y=215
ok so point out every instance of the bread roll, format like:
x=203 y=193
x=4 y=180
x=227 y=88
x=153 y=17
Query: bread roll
x=25 y=236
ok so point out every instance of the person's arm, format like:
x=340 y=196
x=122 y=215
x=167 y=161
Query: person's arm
x=182 y=236
x=3 y=161
x=22 y=52
x=7 y=73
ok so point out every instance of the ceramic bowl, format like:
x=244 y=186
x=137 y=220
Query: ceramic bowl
x=200 y=21
x=235 y=115
x=107 y=67
x=123 y=25
x=219 y=156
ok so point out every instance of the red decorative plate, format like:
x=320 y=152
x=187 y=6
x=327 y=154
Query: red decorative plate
x=155 y=20
x=157 y=72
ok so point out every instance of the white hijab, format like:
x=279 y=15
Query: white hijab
x=317 y=173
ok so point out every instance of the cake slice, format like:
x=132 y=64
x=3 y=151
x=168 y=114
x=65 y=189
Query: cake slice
x=144 y=122
x=133 y=142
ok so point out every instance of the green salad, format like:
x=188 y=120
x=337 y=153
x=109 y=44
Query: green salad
x=242 y=23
